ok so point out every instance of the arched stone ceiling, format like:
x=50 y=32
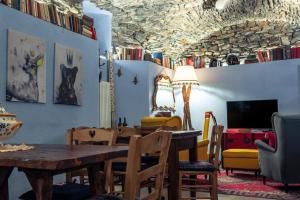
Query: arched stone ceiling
x=177 y=26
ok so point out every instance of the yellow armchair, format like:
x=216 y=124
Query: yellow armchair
x=202 y=149
x=174 y=121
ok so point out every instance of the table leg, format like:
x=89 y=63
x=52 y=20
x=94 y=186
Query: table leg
x=193 y=157
x=4 y=174
x=96 y=180
x=173 y=171
x=41 y=183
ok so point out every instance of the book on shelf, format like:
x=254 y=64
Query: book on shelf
x=196 y=61
x=131 y=54
x=53 y=14
x=168 y=62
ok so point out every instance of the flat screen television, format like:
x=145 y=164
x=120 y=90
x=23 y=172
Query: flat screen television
x=251 y=114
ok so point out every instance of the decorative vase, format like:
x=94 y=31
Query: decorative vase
x=8 y=124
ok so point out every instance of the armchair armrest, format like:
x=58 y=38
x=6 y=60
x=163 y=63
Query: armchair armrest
x=263 y=146
x=203 y=143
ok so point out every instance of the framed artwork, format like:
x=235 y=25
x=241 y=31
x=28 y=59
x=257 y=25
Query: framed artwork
x=26 y=68
x=68 y=76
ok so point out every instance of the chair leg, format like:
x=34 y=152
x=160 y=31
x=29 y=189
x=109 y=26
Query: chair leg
x=81 y=178
x=286 y=188
x=69 y=177
x=180 y=185
x=214 y=190
x=226 y=172
x=264 y=180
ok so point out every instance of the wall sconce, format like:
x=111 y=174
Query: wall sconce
x=119 y=73
x=135 y=80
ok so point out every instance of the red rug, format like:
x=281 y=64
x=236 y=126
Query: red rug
x=246 y=184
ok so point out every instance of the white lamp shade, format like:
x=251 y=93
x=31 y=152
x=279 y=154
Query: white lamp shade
x=185 y=75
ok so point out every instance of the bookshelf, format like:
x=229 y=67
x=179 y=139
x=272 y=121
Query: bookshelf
x=64 y=16
x=280 y=53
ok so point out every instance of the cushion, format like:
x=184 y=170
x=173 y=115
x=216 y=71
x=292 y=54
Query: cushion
x=108 y=197
x=196 y=166
x=63 y=192
x=150 y=160
x=240 y=153
x=146 y=162
x=119 y=166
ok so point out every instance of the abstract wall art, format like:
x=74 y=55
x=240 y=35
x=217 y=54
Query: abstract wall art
x=68 y=76
x=26 y=68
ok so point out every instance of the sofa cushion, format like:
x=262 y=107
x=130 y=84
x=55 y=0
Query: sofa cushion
x=63 y=192
x=240 y=153
x=196 y=166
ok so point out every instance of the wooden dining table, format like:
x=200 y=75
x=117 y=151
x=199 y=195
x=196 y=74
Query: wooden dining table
x=181 y=140
x=46 y=160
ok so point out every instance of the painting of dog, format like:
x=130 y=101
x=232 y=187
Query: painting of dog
x=68 y=76
x=26 y=68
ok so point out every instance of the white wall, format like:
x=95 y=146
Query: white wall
x=273 y=80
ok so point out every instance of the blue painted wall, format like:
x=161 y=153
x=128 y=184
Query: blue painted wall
x=103 y=26
x=47 y=123
x=134 y=101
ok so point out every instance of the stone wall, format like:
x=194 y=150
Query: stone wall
x=247 y=38
x=173 y=26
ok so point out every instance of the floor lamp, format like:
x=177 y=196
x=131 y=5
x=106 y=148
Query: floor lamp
x=185 y=76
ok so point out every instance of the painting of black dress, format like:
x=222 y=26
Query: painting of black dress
x=26 y=68
x=68 y=76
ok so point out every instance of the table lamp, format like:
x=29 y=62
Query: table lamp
x=185 y=76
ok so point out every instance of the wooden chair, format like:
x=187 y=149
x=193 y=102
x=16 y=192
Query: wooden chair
x=157 y=142
x=117 y=167
x=188 y=171
x=85 y=135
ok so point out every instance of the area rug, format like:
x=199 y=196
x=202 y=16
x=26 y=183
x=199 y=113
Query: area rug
x=246 y=184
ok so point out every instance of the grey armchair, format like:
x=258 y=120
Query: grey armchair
x=283 y=163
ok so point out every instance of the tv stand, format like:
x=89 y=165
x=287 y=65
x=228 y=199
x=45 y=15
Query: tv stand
x=236 y=138
x=249 y=130
x=261 y=130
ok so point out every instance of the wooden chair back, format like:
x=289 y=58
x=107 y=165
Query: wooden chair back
x=123 y=135
x=215 y=145
x=157 y=142
x=87 y=135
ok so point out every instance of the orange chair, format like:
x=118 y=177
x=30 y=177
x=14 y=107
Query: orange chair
x=203 y=144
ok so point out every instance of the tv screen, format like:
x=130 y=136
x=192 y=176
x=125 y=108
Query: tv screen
x=251 y=114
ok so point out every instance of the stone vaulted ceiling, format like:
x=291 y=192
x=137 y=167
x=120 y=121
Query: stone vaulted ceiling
x=177 y=27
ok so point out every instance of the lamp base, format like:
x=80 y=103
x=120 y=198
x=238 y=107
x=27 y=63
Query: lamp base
x=187 y=122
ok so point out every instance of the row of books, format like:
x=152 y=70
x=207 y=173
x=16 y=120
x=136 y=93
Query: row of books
x=196 y=61
x=88 y=27
x=131 y=54
x=53 y=14
x=280 y=53
x=168 y=62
